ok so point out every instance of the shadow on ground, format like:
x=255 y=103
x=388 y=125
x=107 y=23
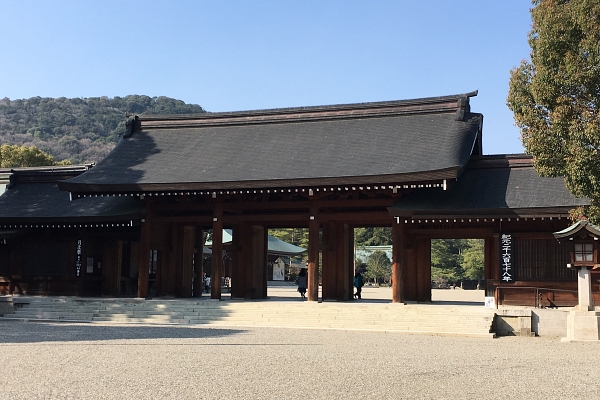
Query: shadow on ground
x=13 y=332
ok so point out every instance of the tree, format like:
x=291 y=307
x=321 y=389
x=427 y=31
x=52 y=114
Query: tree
x=473 y=259
x=379 y=267
x=373 y=236
x=446 y=259
x=555 y=98
x=25 y=156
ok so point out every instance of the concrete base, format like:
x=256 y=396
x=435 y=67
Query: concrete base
x=513 y=322
x=6 y=306
x=583 y=326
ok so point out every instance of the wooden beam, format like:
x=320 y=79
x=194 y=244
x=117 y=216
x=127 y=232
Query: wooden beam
x=243 y=206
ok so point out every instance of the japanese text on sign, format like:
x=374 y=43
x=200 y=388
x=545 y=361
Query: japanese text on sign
x=506 y=257
x=78 y=261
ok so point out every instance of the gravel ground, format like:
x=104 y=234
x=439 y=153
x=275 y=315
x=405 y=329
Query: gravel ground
x=90 y=361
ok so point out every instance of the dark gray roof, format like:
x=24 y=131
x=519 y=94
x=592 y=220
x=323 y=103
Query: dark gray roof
x=34 y=197
x=275 y=246
x=279 y=247
x=493 y=185
x=385 y=142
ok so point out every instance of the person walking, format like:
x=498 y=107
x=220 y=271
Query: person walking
x=358 y=284
x=302 y=282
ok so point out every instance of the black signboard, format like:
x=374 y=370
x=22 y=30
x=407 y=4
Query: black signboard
x=507 y=258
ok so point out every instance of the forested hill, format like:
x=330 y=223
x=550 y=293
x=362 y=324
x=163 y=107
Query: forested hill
x=79 y=129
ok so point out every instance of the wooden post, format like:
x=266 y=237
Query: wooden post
x=348 y=261
x=328 y=262
x=189 y=237
x=241 y=270
x=198 y=278
x=398 y=261
x=313 y=254
x=144 y=259
x=217 y=253
x=112 y=254
x=423 y=253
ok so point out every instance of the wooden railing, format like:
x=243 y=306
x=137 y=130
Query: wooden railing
x=535 y=296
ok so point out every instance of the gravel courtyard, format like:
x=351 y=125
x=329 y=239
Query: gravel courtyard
x=89 y=361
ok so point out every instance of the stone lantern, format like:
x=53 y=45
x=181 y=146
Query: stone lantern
x=583 y=322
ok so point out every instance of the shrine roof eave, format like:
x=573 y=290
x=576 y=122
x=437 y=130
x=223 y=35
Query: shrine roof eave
x=41 y=203
x=576 y=230
x=424 y=177
x=558 y=212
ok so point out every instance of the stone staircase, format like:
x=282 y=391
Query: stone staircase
x=387 y=317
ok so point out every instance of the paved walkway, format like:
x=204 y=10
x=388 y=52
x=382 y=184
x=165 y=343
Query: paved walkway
x=287 y=291
x=60 y=361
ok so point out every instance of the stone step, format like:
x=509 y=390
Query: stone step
x=332 y=315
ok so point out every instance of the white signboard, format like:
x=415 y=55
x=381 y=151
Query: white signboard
x=489 y=302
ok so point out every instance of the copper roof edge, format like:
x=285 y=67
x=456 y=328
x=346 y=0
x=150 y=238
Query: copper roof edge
x=413 y=106
x=500 y=161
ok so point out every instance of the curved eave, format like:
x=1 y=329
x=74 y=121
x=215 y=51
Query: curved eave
x=575 y=229
x=417 y=177
x=542 y=212
x=73 y=222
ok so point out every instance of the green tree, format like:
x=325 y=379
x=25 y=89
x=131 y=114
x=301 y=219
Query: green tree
x=25 y=156
x=473 y=259
x=555 y=98
x=379 y=267
x=373 y=236
x=446 y=259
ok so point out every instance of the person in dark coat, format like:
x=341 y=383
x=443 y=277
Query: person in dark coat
x=302 y=282
x=358 y=284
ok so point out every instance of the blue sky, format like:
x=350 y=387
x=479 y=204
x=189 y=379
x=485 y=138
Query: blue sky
x=242 y=55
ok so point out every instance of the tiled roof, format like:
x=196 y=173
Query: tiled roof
x=33 y=197
x=385 y=142
x=493 y=185
x=275 y=246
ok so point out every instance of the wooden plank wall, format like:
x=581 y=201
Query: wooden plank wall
x=338 y=262
x=112 y=255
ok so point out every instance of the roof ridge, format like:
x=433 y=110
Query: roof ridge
x=501 y=161
x=354 y=110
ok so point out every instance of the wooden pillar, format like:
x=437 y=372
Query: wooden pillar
x=144 y=259
x=198 y=263
x=487 y=266
x=348 y=263
x=337 y=252
x=187 y=260
x=241 y=268
x=260 y=247
x=329 y=262
x=217 y=253
x=423 y=258
x=170 y=262
x=313 y=253
x=398 y=261
x=112 y=254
